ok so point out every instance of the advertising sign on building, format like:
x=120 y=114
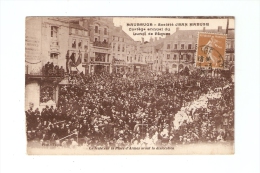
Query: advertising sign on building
x=33 y=45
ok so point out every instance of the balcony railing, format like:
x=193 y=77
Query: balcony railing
x=48 y=70
x=101 y=44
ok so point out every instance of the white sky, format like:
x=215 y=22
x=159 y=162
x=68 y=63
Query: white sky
x=213 y=24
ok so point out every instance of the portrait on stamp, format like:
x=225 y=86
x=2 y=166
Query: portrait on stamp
x=211 y=50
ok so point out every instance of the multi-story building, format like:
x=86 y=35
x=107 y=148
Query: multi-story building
x=100 y=44
x=152 y=53
x=79 y=44
x=126 y=53
x=179 y=50
x=229 y=62
x=122 y=49
x=97 y=46
x=46 y=45
x=137 y=62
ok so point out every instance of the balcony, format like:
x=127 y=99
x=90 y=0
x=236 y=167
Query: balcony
x=101 y=44
x=48 y=70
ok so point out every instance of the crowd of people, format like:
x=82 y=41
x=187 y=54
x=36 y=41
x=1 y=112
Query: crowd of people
x=112 y=110
x=49 y=69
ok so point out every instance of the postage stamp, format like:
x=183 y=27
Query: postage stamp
x=211 y=50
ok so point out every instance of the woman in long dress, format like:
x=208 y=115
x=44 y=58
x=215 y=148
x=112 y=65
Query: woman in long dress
x=212 y=44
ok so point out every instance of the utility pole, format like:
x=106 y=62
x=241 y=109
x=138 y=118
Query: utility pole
x=227 y=25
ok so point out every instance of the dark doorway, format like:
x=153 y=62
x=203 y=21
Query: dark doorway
x=99 y=69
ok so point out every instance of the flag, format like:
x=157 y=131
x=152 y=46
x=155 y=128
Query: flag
x=79 y=60
x=72 y=58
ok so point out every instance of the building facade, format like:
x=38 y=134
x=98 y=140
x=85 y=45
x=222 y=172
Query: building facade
x=229 y=62
x=46 y=45
x=99 y=60
x=78 y=46
x=179 y=50
x=126 y=53
x=56 y=46
x=122 y=50
x=152 y=53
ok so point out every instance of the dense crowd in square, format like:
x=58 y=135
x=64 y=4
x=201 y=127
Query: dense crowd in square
x=137 y=109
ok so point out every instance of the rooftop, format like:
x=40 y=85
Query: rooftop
x=117 y=31
x=77 y=26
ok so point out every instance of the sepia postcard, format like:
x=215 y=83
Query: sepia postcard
x=130 y=85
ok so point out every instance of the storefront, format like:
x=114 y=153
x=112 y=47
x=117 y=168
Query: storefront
x=41 y=84
x=137 y=67
x=119 y=66
x=99 y=61
x=99 y=67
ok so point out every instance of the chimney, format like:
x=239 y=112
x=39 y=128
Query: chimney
x=203 y=29
x=219 y=28
x=142 y=40
x=177 y=29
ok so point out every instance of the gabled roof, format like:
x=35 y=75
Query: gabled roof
x=117 y=31
x=194 y=33
x=185 y=34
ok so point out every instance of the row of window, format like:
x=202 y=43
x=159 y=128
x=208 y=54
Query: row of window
x=118 y=47
x=182 y=57
x=138 y=59
x=123 y=48
x=97 y=30
x=182 y=46
x=131 y=59
x=106 y=40
x=230 y=57
x=230 y=45
x=55 y=56
x=101 y=57
x=78 y=45
x=118 y=39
